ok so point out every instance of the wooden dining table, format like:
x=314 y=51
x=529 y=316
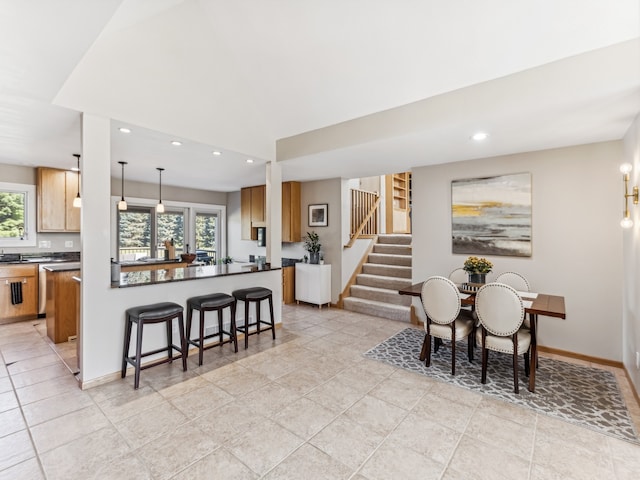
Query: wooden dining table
x=541 y=304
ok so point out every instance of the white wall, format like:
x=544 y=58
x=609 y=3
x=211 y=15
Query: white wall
x=577 y=240
x=631 y=265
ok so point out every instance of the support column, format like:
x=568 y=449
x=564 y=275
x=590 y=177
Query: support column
x=274 y=214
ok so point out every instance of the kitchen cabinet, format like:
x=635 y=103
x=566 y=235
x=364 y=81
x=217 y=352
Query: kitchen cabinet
x=291 y=230
x=288 y=284
x=27 y=276
x=55 y=191
x=253 y=211
x=313 y=283
x=62 y=292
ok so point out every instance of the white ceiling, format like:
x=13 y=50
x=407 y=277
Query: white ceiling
x=345 y=87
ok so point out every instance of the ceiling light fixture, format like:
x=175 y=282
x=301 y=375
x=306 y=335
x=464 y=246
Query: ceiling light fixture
x=216 y=153
x=478 y=137
x=176 y=143
x=122 y=204
x=626 y=221
x=77 y=202
x=125 y=130
x=249 y=160
x=160 y=206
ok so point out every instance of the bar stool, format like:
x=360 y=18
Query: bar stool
x=146 y=314
x=207 y=303
x=255 y=294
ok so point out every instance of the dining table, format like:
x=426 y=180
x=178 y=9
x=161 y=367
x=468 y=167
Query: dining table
x=536 y=304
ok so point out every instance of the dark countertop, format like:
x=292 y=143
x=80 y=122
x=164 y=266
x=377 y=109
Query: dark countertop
x=63 y=267
x=150 y=261
x=180 y=274
x=53 y=257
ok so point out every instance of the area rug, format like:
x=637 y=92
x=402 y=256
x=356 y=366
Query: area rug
x=585 y=396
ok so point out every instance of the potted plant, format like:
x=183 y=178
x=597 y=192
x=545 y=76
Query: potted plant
x=477 y=268
x=312 y=245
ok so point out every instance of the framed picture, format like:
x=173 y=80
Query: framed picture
x=319 y=215
x=492 y=215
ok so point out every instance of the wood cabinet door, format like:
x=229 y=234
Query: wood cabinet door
x=291 y=231
x=288 y=284
x=258 y=204
x=28 y=279
x=51 y=201
x=245 y=214
x=72 y=220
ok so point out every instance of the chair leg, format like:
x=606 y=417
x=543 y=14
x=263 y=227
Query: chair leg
x=246 y=324
x=453 y=349
x=169 y=325
x=515 y=362
x=233 y=329
x=485 y=358
x=125 y=349
x=220 y=330
x=201 y=337
x=470 y=345
x=527 y=368
x=183 y=342
x=427 y=339
x=273 y=320
x=136 y=380
x=189 y=318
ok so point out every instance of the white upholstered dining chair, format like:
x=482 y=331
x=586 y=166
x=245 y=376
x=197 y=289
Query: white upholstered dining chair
x=501 y=312
x=441 y=302
x=459 y=275
x=515 y=281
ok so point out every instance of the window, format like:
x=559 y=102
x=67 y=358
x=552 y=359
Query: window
x=17 y=215
x=142 y=232
x=206 y=237
x=138 y=225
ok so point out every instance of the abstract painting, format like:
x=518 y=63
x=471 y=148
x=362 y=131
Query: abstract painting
x=492 y=215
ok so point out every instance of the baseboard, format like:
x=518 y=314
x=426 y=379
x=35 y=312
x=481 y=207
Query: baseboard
x=580 y=356
x=633 y=388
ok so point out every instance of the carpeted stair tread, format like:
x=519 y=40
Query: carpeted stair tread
x=378 y=309
x=386 y=270
x=396 y=238
x=392 y=249
x=380 y=295
x=381 y=281
x=387 y=259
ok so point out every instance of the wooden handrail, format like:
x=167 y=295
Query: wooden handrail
x=365 y=221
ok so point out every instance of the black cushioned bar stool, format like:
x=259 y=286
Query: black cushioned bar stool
x=207 y=303
x=255 y=294
x=154 y=313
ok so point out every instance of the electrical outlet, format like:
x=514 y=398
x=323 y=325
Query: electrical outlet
x=44 y=244
x=638 y=360
x=68 y=244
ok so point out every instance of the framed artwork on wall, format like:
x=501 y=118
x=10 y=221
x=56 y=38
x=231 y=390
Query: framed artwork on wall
x=492 y=215
x=319 y=215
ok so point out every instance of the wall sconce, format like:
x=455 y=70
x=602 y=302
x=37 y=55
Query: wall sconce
x=160 y=206
x=626 y=221
x=77 y=202
x=122 y=204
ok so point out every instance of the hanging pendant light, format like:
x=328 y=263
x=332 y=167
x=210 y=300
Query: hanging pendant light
x=160 y=206
x=122 y=204
x=77 y=202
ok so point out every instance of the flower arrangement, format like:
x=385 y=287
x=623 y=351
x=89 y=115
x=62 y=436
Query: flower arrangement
x=312 y=242
x=477 y=265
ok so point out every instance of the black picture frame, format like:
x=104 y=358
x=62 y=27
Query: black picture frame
x=318 y=215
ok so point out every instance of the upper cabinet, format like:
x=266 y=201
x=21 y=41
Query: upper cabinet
x=55 y=191
x=253 y=211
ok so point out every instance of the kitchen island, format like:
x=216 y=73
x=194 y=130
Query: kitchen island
x=102 y=326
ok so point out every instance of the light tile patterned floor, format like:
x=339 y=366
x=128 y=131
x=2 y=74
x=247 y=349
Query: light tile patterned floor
x=308 y=406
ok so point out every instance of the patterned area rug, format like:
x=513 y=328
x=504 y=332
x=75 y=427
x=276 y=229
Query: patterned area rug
x=585 y=396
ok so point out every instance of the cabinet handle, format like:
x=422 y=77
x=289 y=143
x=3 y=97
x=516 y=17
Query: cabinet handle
x=6 y=282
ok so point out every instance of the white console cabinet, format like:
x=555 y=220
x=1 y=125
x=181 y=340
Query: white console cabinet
x=313 y=283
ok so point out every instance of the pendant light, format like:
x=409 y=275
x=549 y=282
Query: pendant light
x=122 y=204
x=77 y=202
x=160 y=206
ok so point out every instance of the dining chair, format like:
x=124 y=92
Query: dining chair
x=459 y=275
x=501 y=312
x=514 y=280
x=445 y=320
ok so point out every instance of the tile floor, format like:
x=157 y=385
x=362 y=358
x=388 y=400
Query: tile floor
x=307 y=406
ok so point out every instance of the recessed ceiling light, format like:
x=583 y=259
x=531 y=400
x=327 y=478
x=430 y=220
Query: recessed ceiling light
x=216 y=153
x=125 y=130
x=478 y=137
x=176 y=143
x=249 y=160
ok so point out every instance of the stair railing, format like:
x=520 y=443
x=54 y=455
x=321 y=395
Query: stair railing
x=364 y=215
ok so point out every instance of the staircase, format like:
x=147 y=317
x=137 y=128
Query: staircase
x=387 y=270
